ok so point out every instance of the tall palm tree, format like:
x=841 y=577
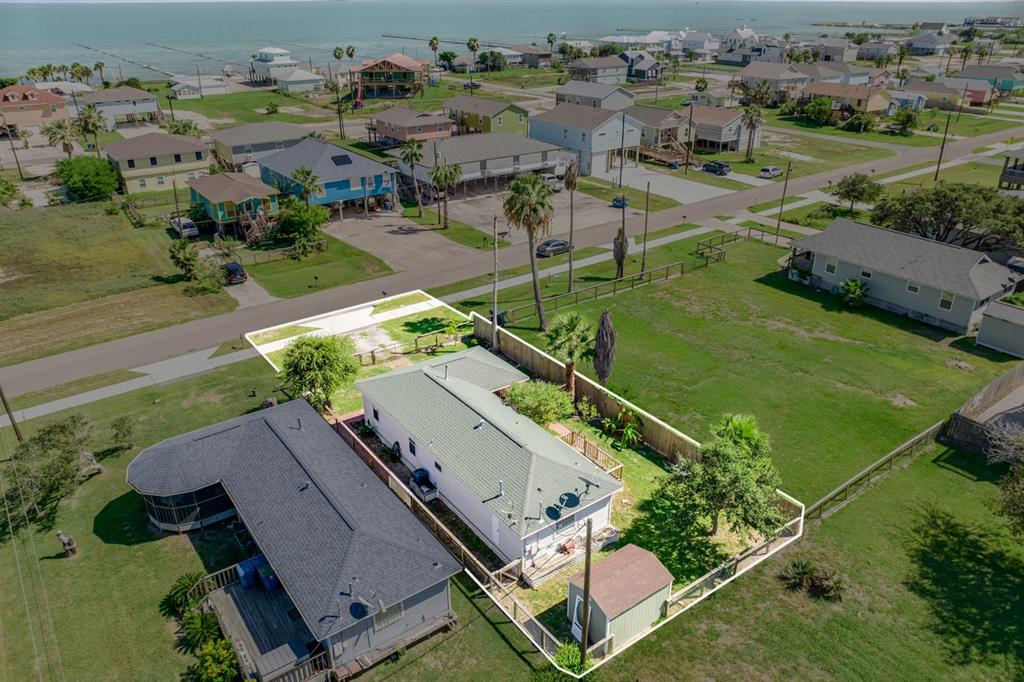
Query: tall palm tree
x=91 y=122
x=902 y=52
x=472 y=45
x=445 y=176
x=412 y=154
x=981 y=51
x=350 y=52
x=762 y=94
x=47 y=70
x=552 y=39
x=528 y=207
x=63 y=70
x=753 y=118
x=435 y=44
x=60 y=133
x=98 y=68
x=569 y=180
x=570 y=340
x=604 y=347
x=307 y=181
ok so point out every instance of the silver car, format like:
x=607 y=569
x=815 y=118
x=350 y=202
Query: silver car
x=554 y=183
x=770 y=172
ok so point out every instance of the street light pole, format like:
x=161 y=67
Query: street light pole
x=942 y=148
x=494 y=285
x=782 y=205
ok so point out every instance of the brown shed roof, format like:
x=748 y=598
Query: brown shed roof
x=233 y=187
x=624 y=579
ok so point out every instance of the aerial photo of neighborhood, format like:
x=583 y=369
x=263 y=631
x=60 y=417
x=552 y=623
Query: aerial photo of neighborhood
x=539 y=341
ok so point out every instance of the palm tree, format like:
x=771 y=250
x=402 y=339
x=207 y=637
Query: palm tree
x=902 y=52
x=63 y=70
x=762 y=94
x=307 y=182
x=981 y=51
x=752 y=119
x=445 y=176
x=604 y=347
x=412 y=153
x=528 y=207
x=315 y=135
x=60 y=133
x=47 y=71
x=183 y=126
x=552 y=39
x=472 y=45
x=350 y=52
x=570 y=341
x=569 y=180
x=98 y=67
x=435 y=44
x=701 y=84
x=91 y=122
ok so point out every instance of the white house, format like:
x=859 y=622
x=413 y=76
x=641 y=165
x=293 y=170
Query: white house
x=597 y=136
x=270 y=62
x=194 y=87
x=299 y=80
x=523 y=491
x=122 y=104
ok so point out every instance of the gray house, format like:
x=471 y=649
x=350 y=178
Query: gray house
x=247 y=143
x=1002 y=328
x=600 y=95
x=719 y=129
x=658 y=126
x=598 y=136
x=123 y=104
x=941 y=284
x=599 y=70
x=344 y=574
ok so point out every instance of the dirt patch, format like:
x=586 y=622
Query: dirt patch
x=7 y=275
x=796 y=156
x=776 y=325
x=960 y=365
x=900 y=400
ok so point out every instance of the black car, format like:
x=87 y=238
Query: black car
x=552 y=247
x=717 y=168
x=234 y=273
x=471 y=85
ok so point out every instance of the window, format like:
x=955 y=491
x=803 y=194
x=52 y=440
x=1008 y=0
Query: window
x=564 y=522
x=159 y=179
x=419 y=129
x=565 y=133
x=388 y=616
x=412 y=447
x=152 y=161
x=583 y=137
x=53 y=108
x=519 y=118
x=199 y=156
x=376 y=415
x=131 y=163
x=913 y=287
x=279 y=145
x=437 y=466
x=177 y=158
x=142 y=182
x=866 y=274
x=946 y=301
x=831 y=263
x=499 y=119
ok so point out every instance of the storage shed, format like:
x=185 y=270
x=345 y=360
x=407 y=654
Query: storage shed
x=628 y=593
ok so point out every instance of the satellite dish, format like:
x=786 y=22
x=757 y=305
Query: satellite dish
x=553 y=513
x=569 y=500
x=357 y=610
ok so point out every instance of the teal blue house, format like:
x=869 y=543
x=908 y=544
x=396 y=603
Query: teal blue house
x=343 y=177
x=1005 y=78
x=229 y=197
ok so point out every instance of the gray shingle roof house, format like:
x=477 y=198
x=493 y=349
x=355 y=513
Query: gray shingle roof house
x=521 y=489
x=941 y=284
x=253 y=141
x=123 y=104
x=587 y=94
x=599 y=70
x=343 y=175
x=596 y=135
x=348 y=554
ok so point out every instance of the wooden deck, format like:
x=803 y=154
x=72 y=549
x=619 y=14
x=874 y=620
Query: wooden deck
x=265 y=628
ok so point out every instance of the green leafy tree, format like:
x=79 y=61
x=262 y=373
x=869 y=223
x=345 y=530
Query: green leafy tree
x=734 y=477
x=87 y=178
x=217 y=663
x=50 y=465
x=762 y=94
x=412 y=154
x=447 y=57
x=1010 y=502
x=301 y=224
x=853 y=291
x=607 y=50
x=819 y=110
x=445 y=176
x=907 y=119
x=183 y=126
x=858 y=187
x=570 y=340
x=542 y=402
x=314 y=367
x=60 y=134
x=338 y=53
x=185 y=257
x=973 y=216
x=604 y=347
x=701 y=84
x=528 y=207
x=123 y=432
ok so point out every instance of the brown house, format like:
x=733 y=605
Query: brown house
x=396 y=125
x=848 y=99
x=398 y=75
x=26 y=108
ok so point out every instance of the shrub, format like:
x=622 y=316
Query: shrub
x=540 y=401
x=111 y=209
x=853 y=292
x=217 y=663
x=828 y=584
x=178 y=595
x=788 y=108
x=625 y=427
x=568 y=656
x=123 y=431
x=87 y=178
x=200 y=627
x=798 y=574
x=316 y=366
x=820 y=583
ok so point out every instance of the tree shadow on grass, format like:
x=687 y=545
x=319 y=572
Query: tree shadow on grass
x=971 y=466
x=669 y=525
x=425 y=325
x=974 y=588
x=123 y=521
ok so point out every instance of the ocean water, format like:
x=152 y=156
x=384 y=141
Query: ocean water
x=178 y=36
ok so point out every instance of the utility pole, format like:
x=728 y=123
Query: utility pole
x=647 y=210
x=17 y=429
x=960 y=110
x=782 y=206
x=174 y=184
x=942 y=147
x=437 y=195
x=622 y=156
x=341 y=126
x=689 y=140
x=199 y=80
x=10 y=138
x=584 y=636
x=494 y=285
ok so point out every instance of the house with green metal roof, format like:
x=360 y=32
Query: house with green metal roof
x=522 y=490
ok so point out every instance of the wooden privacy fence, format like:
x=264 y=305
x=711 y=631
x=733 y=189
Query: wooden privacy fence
x=856 y=484
x=964 y=427
x=591 y=451
x=659 y=436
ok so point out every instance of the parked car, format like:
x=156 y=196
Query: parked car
x=620 y=201
x=554 y=183
x=185 y=227
x=717 y=168
x=552 y=247
x=234 y=273
x=470 y=85
x=770 y=172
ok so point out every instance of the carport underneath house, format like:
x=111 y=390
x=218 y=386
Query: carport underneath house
x=487 y=160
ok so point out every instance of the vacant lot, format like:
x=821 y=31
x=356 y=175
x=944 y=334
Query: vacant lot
x=602 y=189
x=739 y=338
x=774 y=118
x=339 y=264
x=975 y=172
x=248 y=107
x=820 y=214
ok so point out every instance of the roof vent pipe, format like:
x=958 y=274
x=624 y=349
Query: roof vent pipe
x=446 y=372
x=501 y=488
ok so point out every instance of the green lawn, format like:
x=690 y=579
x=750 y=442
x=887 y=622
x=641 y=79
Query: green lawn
x=975 y=172
x=794 y=358
x=774 y=203
x=457 y=231
x=408 y=327
x=971 y=125
x=666 y=231
x=603 y=189
x=361 y=148
x=933 y=593
x=820 y=214
x=71 y=388
x=770 y=229
x=246 y=107
x=280 y=333
x=774 y=118
x=340 y=264
x=807 y=155
x=517 y=78
x=399 y=302
x=669 y=102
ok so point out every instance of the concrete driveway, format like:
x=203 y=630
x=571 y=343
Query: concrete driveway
x=397 y=241
x=478 y=211
x=249 y=293
x=665 y=184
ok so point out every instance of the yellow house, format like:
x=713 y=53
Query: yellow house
x=158 y=161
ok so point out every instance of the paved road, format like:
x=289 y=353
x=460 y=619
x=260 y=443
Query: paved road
x=174 y=341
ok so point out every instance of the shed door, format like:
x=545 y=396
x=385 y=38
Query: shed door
x=577 y=618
